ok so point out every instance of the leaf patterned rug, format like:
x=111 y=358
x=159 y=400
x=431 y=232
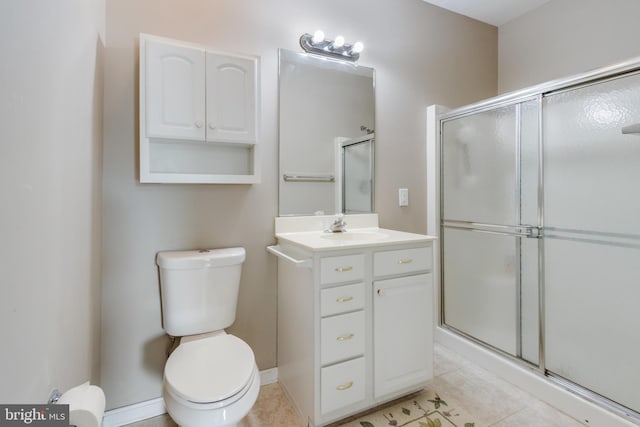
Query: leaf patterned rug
x=426 y=409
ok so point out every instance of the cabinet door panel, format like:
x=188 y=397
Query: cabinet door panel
x=175 y=102
x=403 y=336
x=231 y=98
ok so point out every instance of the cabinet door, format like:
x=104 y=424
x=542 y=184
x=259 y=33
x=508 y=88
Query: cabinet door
x=231 y=98
x=402 y=325
x=175 y=86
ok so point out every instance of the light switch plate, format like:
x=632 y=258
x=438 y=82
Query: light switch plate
x=403 y=196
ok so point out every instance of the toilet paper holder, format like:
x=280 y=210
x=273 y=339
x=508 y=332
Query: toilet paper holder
x=54 y=396
x=86 y=404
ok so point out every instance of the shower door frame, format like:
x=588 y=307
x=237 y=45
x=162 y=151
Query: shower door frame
x=519 y=231
x=623 y=69
x=342 y=147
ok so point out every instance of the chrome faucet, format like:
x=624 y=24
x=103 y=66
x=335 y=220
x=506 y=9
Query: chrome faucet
x=338 y=225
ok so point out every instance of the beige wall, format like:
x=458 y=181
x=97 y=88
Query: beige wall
x=422 y=55
x=565 y=37
x=50 y=185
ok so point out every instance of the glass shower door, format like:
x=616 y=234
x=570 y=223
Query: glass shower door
x=489 y=210
x=357 y=175
x=592 y=238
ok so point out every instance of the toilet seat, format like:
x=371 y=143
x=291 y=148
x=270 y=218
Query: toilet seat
x=213 y=371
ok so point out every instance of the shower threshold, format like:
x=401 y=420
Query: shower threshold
x=581 y=404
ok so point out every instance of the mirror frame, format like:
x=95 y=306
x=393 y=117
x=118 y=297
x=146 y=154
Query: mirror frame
x=369 y=72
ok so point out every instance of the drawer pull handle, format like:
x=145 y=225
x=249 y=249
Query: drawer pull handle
x=345 y=386
x=344 y=299
x=379 y=292
x=344 y=269
x=345 y=337
x=405 y=261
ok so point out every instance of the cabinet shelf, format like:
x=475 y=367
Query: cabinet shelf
x=191 y=178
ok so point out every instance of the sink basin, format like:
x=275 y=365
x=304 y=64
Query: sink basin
x=349 y=236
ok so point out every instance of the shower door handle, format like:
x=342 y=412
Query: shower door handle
x=532 y=232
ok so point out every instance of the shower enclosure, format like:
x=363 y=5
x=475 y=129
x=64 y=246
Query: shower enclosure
x=356 y=175
x=540 y=230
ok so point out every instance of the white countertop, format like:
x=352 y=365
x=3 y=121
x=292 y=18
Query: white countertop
x=307 y=233
x=352 y=238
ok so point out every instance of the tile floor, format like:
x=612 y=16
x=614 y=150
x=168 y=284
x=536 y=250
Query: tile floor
x=491 y=401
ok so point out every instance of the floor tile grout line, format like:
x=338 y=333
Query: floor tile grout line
x=508 y=416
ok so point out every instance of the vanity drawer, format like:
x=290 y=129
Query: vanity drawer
x=341 y=337
x=341 y=268
x=341 y=299
x=342 y=385
x=402 y=261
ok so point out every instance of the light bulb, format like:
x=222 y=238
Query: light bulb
x=338 y=42
x=357 y=47
x=318 y=37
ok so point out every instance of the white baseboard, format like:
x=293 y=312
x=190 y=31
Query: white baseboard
x=269 y=376
x=532 y=382
x=133 y=413
x=155 y=407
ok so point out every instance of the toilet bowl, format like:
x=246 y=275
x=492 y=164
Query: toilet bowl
x=211 y=378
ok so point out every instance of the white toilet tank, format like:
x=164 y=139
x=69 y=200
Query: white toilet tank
x=199 y=289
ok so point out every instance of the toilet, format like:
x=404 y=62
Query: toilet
x=211 y=378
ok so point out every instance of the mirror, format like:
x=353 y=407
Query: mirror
x=326 y=136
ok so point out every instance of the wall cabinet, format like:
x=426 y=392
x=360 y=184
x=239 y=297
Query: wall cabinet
x=354 y=329
x=198 y=114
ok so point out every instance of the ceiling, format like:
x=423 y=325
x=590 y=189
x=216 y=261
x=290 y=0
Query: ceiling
x=494 y=12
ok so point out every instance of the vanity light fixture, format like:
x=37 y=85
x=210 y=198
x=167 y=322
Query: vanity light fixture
x=338 y=42
x=337 y=48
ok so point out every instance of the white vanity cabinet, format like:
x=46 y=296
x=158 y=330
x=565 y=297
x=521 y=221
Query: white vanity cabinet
x=354 y=327
x=198 y=113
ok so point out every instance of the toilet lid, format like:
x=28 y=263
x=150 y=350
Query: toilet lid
x=210 y=369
